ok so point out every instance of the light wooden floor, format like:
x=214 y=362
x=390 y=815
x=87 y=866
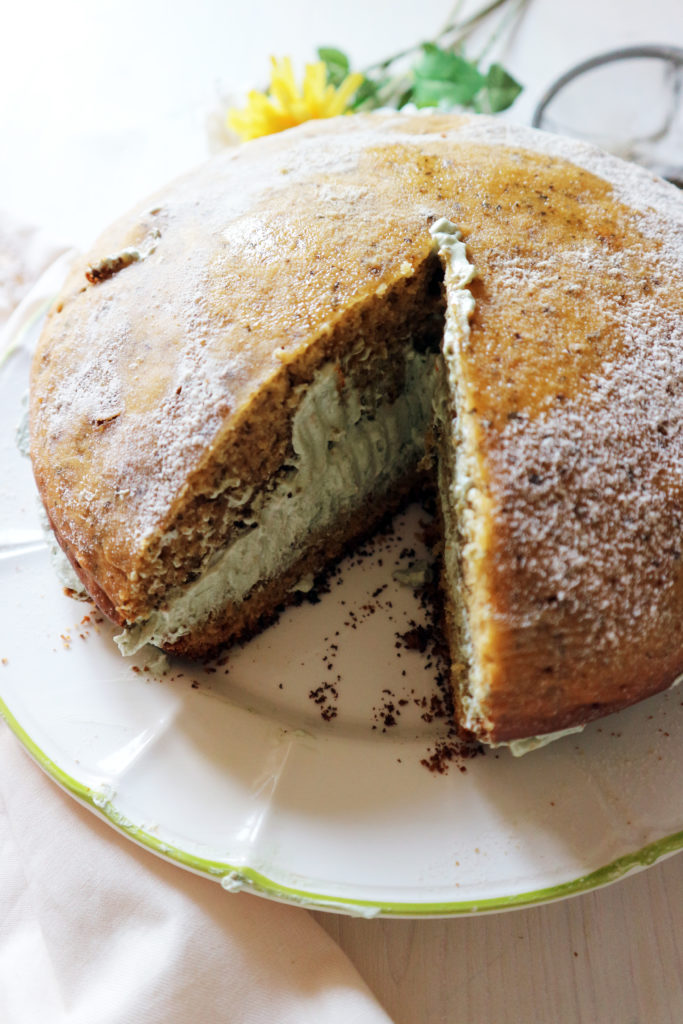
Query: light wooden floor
x=610 y=957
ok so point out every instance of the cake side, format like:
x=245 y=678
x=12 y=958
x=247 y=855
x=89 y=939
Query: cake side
x=563 y=504
x=353 y=413
x=358 y=435
x=166 y=377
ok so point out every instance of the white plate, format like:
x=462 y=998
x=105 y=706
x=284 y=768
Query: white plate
x=235 y=773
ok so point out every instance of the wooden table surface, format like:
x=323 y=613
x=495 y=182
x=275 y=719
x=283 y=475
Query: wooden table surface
x=614 y=956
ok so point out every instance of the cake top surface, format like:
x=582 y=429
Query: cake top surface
x=221 y=284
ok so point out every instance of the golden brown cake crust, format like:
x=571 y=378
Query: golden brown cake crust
x=241 y=278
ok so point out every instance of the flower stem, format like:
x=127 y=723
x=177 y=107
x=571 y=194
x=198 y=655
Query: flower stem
x=506 y=22
x=461 y=30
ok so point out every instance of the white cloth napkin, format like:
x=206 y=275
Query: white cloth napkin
x=95 y=930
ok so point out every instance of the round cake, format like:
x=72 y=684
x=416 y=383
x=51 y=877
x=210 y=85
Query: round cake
x=253 y=367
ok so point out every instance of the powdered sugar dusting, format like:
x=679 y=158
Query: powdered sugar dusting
x=178 y=343
x=591 y=490
x=616 y=450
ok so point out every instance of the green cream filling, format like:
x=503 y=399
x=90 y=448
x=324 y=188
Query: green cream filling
x=343 y=453
x=455 y=480
x=520 y=747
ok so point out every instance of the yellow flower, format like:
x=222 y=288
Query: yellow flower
x=285 y=105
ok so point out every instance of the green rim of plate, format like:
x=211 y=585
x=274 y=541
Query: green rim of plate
x=245 y=879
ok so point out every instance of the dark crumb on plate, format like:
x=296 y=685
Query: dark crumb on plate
x=415 y=639
x=454 y=748
x=388 y=711
x=326 y=696
x=458 y=745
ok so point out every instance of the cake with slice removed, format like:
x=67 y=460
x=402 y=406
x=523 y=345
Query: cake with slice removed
x=253 y=367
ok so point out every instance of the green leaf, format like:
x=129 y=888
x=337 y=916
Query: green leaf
x=500 y=91
x=336 y=62
x=408 y=96
x=443 y=78
x=366 y=95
